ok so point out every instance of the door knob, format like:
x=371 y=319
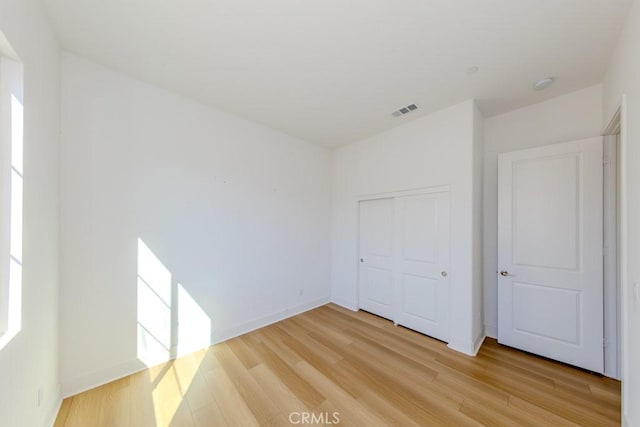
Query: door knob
x=505 y=273
x=444 y=274
x=361 y=259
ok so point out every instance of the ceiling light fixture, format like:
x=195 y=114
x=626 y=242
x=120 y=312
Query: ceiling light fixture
x=544 y=83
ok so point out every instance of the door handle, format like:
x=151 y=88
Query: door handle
x=505 y=273
x=444 y=274
x=361 y=259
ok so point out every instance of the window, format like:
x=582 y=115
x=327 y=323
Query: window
x=11 y=197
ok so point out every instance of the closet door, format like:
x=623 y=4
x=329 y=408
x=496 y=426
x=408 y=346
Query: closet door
x=421 y=263
x=376 y=257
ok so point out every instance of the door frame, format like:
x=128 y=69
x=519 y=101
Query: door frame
x=610 y=259
x=617 y=126
x=388 y=195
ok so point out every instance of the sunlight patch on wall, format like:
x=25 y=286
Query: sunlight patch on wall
x=194 y=326
x=154 y=308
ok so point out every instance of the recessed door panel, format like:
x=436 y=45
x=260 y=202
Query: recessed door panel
x=546 y=201
x=420 y=297
x=378 y=282
x=547 y=312
x=420 y=230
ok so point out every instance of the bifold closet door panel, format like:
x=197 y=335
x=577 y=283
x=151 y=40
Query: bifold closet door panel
x=376 y=257
x=422 y=262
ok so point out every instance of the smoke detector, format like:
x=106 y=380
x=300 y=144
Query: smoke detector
x=473 y=70
x=404 y=110
x=543 y=84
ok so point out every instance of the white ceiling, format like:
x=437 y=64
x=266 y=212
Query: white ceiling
x=332 y=71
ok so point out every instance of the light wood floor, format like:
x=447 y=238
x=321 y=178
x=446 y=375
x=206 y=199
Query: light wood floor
x=362 y=367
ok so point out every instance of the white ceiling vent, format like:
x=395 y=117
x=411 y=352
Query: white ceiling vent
x=405 y=110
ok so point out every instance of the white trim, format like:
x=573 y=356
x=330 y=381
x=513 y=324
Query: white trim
x=6 y=49
x=614 y=126
x=104 y=376
x=101 y=377
x=623 y=245
x=621 y=116
x=491 y=331
x=51 y=420
x=611 y=284
x=465 y=346
x=478 y=343
x=345 y=304
x=252 y=325
x=402 y=193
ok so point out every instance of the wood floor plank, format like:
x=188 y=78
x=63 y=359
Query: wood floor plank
x=398 y=398
x=358 y=365
x=61 y=419
x=114 y=408
x=85 y=408
x=543 y=416
x=385 y=410
x=261 y=405
x=208 y=415
x=282 y=350
x=279 y=393
x=235 y=411
x=486 y=415
x=346 y=405
x=141 y=409
x=170 y=407
x=243 y=352
x=286 y=374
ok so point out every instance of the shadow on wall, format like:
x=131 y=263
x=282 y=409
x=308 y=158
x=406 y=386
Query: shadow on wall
x=170 y=324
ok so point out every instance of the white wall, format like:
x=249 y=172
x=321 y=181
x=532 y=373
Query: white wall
x=238 y=213
x=30 y=360
x=569 y=117
x=623 y=77
x=434 y=150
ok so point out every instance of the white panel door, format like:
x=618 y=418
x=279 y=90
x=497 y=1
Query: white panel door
x=550 y=284
x=376 y=257
x=422 y=263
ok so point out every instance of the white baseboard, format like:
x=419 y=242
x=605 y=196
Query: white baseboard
x=491 y=331
x=101 y=377
x=104 y=376
x=344 y=303
x=461 y=346
x=465 y=346
x=51 y=420
x=252 y=325
x=478 y=343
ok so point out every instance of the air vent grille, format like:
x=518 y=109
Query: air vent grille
x=404 y=110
